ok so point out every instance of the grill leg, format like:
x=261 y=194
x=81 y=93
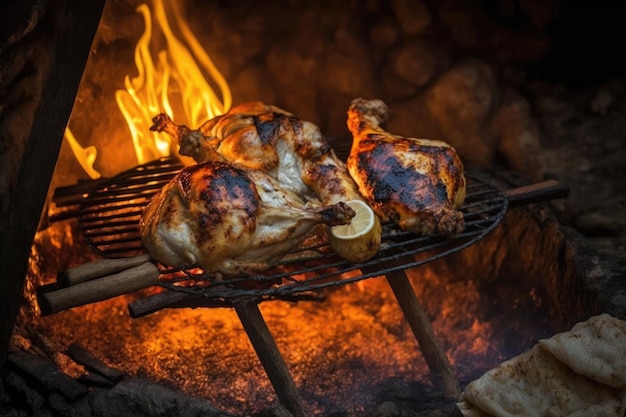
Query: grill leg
x=269 y=355
x=432 y=350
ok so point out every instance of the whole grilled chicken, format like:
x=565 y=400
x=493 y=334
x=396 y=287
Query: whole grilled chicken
x=264 y=137
x=229 y=220
x=417 y=183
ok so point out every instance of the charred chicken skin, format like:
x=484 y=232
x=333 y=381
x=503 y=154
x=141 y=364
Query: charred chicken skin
x=264 y=137
x=417 y=183
x=229 y=220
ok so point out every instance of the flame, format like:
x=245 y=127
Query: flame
x=85 y=156
x=175 y=75
x=171 y=80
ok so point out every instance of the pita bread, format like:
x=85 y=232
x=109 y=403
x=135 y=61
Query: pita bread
x=595 y=348
x=537 y=383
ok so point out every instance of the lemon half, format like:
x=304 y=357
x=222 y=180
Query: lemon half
x=359 y=240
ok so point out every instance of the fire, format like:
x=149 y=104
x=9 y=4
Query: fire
x=85 y=156
x=170 y=80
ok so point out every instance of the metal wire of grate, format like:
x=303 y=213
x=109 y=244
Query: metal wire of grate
x=109 y=220
x=109 y=216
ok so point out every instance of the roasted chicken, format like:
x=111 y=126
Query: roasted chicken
x=229 y=220
x=264 y=137
x=417 y=183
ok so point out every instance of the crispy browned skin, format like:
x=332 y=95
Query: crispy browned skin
x=229 y=220
x=417 y=183
x=261 y=136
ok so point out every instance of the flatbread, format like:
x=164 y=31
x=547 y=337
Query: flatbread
x=537 y=383
x=595 y=348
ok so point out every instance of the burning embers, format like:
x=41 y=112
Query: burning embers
x=349 y=351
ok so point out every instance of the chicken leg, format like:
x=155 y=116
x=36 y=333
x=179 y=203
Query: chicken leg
x=417 y=183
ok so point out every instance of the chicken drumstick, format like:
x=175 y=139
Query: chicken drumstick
x=417 y=183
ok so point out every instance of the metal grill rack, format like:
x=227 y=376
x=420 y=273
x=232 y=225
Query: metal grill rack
x=109 y=219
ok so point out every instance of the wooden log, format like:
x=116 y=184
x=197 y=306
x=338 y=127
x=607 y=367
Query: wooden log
x=269 y=355
x=203 y=299
x=48 y=374
x=42 y=63
x=95 y=380
x=172 y=299
x=431 y=348
x=98 y=269
x=82 y=357
x=130 y=280
x=157 y=302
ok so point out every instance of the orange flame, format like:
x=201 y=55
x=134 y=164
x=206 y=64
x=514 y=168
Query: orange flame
x=85 y=156
x=170 y=80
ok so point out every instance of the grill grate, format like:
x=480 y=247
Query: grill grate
x=110 y=215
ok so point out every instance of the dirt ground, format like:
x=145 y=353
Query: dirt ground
x=584 y=138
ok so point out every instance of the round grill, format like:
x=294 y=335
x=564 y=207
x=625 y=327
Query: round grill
x=110 y=215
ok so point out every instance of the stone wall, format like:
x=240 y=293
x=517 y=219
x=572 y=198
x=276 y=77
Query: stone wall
x=440 y=66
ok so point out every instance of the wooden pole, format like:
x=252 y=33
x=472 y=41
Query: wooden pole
x=533 y=193
x=42 y=63
x=431 y=348
x=172 y=299
x=98 y=269
x=127 y=281
x=269 y=355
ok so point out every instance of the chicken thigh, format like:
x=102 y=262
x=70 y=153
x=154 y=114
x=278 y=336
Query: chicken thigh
x=229 y=220
x=417 y=183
